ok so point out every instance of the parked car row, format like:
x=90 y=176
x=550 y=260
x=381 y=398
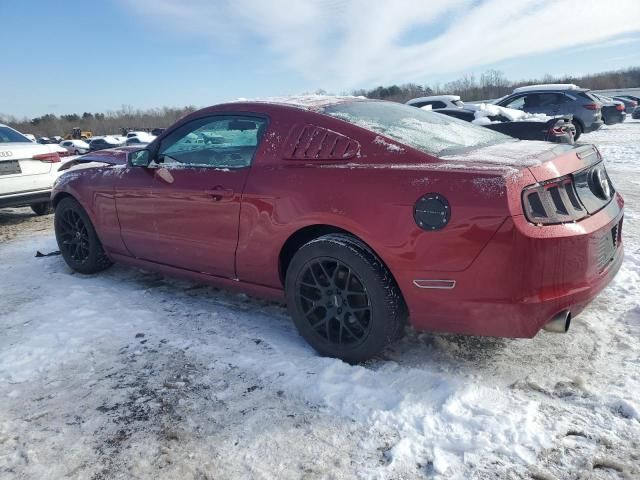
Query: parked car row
x=80 y=147
x=586 y=110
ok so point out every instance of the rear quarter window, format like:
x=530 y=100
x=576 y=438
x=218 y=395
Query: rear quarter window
x=424 y=130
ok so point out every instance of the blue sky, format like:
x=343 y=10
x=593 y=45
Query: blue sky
x=75 y=56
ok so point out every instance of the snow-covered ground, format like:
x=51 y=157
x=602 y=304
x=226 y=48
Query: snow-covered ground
x=128 y=374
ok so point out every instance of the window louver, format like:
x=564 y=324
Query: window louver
x=309 y=142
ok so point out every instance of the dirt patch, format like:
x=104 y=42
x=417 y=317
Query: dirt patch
x=22 y=221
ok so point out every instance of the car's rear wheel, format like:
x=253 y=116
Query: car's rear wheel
x=42 y=208
x=343 y=300
x=77 y=239
x=76 y=152
x=578 y=130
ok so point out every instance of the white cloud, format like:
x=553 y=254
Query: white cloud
x=342 y=44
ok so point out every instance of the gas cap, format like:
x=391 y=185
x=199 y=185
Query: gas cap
x=432 y=212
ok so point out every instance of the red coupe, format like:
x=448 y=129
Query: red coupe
x=360 y=214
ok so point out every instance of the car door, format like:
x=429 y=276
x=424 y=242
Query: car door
x=546 y=103
x=196 y=184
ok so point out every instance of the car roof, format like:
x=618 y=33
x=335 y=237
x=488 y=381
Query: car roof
x=548 y=86
x=434 y=97
x=307 y=102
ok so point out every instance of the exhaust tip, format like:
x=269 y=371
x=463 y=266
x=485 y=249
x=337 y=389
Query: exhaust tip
x=559 y=323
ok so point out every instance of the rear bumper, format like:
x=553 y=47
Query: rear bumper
x=25 y=198
x=593 y=126
x=617 y=117
x=522 y=278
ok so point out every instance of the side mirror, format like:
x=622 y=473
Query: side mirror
x=140 y=158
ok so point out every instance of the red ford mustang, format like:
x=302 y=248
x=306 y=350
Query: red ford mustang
x=360 y=214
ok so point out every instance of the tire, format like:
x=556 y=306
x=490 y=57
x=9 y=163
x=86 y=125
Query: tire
x=343 y=300
x=76 y=152
x=579 y=130
x=43 y=208
x=77 y=238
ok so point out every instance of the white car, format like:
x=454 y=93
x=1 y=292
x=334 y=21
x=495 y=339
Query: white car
x=136 y=133
x=75 y=147
x=108 y=141
x=27 y=171
x=437 y=101
x=135 y=138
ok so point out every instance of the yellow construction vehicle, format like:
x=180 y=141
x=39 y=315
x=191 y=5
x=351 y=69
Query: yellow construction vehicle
x=77 y=134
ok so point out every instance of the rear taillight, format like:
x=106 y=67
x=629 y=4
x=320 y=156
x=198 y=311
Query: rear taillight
x=620 y=107
x=557 y=131
x=552 y=202
x=592 y=106
x=48 y=157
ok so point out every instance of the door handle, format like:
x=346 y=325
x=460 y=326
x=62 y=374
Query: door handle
x=219 y=193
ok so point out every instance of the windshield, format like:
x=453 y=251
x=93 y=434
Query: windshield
x=9 y=135
x=423 y=130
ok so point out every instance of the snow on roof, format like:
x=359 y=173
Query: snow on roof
x=547 y=86
x=451 y=98
x=304 y=101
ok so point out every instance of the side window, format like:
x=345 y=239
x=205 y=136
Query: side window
x=548 y=99
x=214 y=142
x=437 y=104
x=516 y=103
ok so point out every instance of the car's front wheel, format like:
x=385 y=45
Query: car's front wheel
x=77 y=239
x=42 y=208
x=343 y=300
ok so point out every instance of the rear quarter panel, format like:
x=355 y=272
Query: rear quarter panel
x=372 y=196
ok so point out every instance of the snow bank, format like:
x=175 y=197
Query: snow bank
x=485 y=110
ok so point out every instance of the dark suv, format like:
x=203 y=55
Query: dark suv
x=561 y=99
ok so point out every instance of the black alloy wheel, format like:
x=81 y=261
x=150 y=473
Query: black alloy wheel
x=334 y=301
x=343 y=300
x=74 y=236
x=77 y=239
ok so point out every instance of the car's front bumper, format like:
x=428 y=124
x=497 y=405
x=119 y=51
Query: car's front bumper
x=522 y=278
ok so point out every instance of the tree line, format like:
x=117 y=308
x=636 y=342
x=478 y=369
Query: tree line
x=493 y=84
x=113 y=122
x=490 y=84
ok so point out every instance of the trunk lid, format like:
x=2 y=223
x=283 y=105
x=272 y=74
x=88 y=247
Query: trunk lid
x=15 y=154
x=545 y=160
